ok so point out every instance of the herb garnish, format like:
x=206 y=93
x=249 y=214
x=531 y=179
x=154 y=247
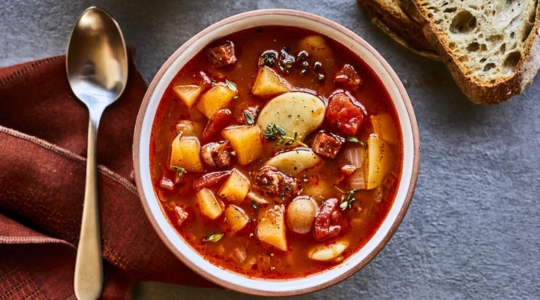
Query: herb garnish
x=346 y=202
x=231 y=85
x=274 y=132
x=268 y=58
x=214 y=237
x=254 y=205
x=248 y=117
x=353 y=139
x=181 y=171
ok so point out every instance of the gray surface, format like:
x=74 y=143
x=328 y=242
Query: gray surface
x=472 y=230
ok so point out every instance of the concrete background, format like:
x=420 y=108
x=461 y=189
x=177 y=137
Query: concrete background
x=472 y=230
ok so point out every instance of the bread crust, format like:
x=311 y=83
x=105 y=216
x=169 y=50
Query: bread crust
x=479 y=92
x=399 y=27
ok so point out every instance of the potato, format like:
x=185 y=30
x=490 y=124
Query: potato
x=300 y=214
x=215 y=99
x=384 y=127
x=317 y=47
x=235 y=188
x=189 y=128
x=269 y=83
x=187 y=93
x=318 y=189
x=236 y=218
x=208 y=204
x=378 y=161
x=271 y=226
x=246 y=142
x=294 y=112
x=295 y=161
x=328 y=252
x=185 y=154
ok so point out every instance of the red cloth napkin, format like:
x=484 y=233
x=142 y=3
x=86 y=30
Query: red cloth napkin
x=43 y=132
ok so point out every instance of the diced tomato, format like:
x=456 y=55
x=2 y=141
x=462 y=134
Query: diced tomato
x=345 y=114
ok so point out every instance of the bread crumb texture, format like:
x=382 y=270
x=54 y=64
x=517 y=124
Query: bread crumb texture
x=487 y=39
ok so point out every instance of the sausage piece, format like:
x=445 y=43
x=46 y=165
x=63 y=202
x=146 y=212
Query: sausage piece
x=348 y=77
x=217 y=154
x=271 y=182
x=327 y=144
x=328 y=220
x=345 y=114
x=216 y=124
x=221 y=55
x=210 y=179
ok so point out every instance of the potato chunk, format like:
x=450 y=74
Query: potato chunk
x=295 y=161
x=215 y=99
x=271 y=226
x=328 y=252
x=378 y=161
x=246 y=142
x=384 y=127
x=294 y=112
x=185 y=154
x=269 y=83
x=317 y=47
x=189 y=128
x=187 y=93
x=236 y=218
x=208 y=204
x=235 y=188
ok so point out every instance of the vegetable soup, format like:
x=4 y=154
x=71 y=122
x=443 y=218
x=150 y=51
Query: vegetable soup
x=276 y=153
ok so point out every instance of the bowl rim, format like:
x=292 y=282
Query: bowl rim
x=415 y=156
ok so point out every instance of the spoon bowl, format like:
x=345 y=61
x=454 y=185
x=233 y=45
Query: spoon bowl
x=97 y=71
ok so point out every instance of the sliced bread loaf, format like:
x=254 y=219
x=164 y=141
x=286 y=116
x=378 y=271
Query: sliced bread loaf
x=390 y=18
x=491 y=48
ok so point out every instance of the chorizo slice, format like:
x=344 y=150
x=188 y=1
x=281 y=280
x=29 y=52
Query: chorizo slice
x=216 y=124
x=348 y=77
x=327 y=144
x=210 y=179
x=221 y=55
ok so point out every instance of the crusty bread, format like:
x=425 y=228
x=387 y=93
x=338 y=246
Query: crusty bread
x=491 y=48
x=390 y=18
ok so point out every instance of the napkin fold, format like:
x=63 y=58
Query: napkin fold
x=43 y=134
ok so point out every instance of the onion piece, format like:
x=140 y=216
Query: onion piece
x=239 y=254
x=357 y=180
x=258 y=199
x=355 y=156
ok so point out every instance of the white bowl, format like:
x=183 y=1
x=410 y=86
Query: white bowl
x=235 y=281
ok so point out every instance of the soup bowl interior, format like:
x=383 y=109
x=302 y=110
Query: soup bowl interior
x=174 y=240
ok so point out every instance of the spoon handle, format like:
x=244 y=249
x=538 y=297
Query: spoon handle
x=88 y=266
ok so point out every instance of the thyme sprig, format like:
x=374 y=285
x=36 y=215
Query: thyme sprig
x=346 y=201
x=275 y=133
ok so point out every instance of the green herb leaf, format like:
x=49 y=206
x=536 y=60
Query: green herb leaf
x=231 y=85
x=215 y=237
x=343 y=205
x=249 y=117
x=254 y=205
x=214 y=83
x=353 y=139
x=180 y=171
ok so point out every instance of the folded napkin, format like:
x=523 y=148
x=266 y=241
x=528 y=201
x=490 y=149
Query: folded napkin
x=43 y=133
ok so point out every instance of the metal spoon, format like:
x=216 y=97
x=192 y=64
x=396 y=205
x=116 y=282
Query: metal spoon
x=97 y=71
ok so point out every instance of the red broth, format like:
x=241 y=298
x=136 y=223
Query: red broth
x=263 y=238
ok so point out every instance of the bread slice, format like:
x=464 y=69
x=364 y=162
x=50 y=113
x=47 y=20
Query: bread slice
x=390 y=18
x=491 y=48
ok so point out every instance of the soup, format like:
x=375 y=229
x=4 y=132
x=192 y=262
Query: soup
x=276 y=153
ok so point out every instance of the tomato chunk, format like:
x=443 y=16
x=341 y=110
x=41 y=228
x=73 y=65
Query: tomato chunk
x=345 y=114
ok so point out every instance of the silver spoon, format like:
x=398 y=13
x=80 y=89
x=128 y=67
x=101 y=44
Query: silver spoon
x=97 y=71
